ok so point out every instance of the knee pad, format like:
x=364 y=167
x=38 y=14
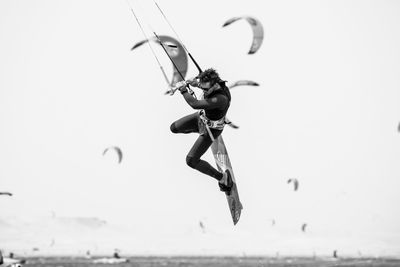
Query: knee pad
x=192 y=161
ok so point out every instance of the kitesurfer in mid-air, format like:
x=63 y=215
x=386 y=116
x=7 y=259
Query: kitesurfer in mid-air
x=209 y=120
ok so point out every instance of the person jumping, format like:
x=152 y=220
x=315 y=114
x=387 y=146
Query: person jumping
x=209 y=122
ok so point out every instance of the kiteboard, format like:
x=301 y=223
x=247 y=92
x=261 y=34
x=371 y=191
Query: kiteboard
x=223 y=163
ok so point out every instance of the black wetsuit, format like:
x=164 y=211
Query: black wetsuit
x=215 y=105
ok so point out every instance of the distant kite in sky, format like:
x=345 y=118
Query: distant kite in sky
x=231 y=124
x=295 y=183
x=242 y=82
x=303 y=227
x=6 y=193
x=117 y=150
x=203 y=228
x=257 y=28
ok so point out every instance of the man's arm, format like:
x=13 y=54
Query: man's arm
x=210 y=103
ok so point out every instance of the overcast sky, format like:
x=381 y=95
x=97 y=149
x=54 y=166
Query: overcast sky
x=326 y=113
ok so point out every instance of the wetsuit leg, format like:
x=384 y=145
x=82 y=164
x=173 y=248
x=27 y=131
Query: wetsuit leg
x=199 y=148
x=187 y=124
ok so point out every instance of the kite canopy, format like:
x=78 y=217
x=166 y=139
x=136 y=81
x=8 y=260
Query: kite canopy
x=117 y=150
x=202 y=226
x=303 y=227
x=295 y=183
x=242 y=83
x=257 y=28
x=175 y=51
x=6 y=193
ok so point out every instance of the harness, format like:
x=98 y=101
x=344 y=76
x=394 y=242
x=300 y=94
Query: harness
x=213 y=124
x=205 y=124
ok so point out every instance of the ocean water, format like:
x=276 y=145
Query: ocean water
x=217 y=261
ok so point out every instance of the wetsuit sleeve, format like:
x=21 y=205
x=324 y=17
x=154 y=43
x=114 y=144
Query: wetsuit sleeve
x=218 y=101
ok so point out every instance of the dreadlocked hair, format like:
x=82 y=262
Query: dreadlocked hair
x=209 y=75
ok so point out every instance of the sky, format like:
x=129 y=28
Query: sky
x=326 y=112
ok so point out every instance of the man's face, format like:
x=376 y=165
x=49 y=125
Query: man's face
x=205 y=85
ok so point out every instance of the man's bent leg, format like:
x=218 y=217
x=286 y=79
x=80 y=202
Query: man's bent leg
x=193 y=158
x=187 y=124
